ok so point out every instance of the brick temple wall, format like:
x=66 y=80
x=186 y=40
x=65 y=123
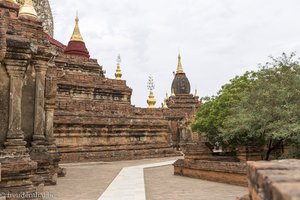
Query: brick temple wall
x=218 y=171
x=274 y=180
x=94 y=118
x=28 y=156
x=28 y=100
x=4 y=102
x=19 y=50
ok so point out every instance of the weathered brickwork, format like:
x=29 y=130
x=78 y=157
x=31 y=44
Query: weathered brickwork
x=181 y=111
x=28 y=156
x=94 y=118
x=274 y=180
x=218 y=171
x=199 y=162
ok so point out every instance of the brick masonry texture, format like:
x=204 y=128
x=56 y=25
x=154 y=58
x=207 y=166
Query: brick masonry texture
x=274 y=180
x=94 y=118
x=219 y=171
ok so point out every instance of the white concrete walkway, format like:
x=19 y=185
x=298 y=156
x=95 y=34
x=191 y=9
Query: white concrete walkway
x=129 y=184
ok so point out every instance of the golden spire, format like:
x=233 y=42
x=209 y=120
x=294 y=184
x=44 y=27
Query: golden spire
x=27 y=9
x=151 y=99
x=76 y=36
x=164 y=104
x=118 y=73
x=179 y=66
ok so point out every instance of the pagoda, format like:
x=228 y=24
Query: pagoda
x=181 y=98
x=76 y=45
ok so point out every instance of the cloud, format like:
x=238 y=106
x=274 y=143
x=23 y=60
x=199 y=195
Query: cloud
x=218 y=39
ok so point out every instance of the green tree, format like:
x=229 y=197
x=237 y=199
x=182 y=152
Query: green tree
x=269 y=111
x=213 y=113
x=259 y=108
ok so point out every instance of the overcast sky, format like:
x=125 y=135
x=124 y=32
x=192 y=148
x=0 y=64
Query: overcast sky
x=218 y=39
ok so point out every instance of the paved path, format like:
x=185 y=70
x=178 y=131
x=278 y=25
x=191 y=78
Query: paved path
x=122 y=180
x=161 y=184
x=87 y=181
x=130 y=184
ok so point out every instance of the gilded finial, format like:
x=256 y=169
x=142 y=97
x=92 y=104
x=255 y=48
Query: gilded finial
x=118 y=73
x=76 y=36
x=173 y=92
x=151 y=99
x=27 y=9
x=179 y=66
x=165 y=104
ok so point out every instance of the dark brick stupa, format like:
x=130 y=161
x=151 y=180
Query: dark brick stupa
x=181 y=84
x=181 y=98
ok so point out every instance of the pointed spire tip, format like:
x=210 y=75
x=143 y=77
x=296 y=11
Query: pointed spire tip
x=76 y=36
x=179 y=66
